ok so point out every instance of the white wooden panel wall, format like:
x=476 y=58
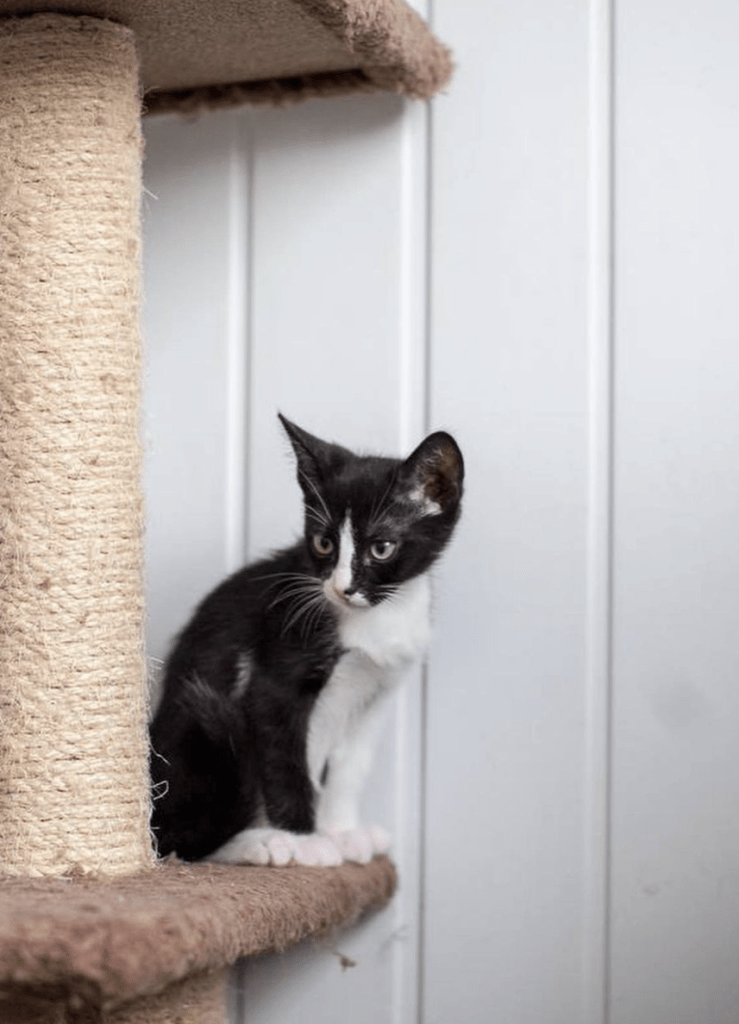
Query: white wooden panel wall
x=507 y=812
x=676 y=596
x=544 y=263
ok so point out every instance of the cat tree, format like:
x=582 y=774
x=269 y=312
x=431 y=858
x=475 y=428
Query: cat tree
x=91 y=928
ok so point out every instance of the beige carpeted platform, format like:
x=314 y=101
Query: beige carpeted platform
x=97 y=945
x=197 y=54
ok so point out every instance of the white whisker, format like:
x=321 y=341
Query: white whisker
x=318 y=516
x=312 y=616
x=378 y=507
x=303 y=607
x=278 y=578
x=284 y=575
x=320 y=605
x=317 y=493
x=296 y=590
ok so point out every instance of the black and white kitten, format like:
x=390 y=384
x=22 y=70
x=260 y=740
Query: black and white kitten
x=273 y=692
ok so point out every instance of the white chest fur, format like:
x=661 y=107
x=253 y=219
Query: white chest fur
x=380 y=643
x=393 y=633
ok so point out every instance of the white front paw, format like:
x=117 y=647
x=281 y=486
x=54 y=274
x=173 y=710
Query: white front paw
x=360 y=844
x=316 y=851
x=255 y=846
x=276 y=847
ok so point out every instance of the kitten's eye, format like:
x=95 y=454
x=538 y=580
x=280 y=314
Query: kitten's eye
x=382 y=550
x=323 y=544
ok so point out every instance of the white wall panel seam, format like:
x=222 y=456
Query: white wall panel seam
x=238 y=342
x=426 y=426
x=598 y=682
x=412 y=354
x=238 y=339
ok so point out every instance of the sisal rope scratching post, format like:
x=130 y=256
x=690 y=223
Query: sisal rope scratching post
x=73 y=749
x=73 y=762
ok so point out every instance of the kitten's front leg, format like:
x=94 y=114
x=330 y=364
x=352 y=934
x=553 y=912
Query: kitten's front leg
x=337 y=810
x=285 y=830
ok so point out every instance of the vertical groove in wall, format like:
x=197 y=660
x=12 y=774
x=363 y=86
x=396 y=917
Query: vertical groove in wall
x=238 y=343
x=596 y=924
x=424 y=709
x=248 y=136
x=422 y=836
x=412 y=409
x=412 y=312
x=428 y=335
x=237 y=335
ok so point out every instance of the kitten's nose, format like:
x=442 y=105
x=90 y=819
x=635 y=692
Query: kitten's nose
x=348 y=591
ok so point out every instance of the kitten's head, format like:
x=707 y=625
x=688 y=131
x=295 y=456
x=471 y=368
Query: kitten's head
x=372 y=523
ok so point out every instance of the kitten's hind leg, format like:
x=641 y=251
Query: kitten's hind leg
x=277 y=847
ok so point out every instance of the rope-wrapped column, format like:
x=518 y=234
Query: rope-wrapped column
x=73 y=761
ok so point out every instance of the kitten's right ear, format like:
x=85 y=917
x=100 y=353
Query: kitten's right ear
x=434 y=472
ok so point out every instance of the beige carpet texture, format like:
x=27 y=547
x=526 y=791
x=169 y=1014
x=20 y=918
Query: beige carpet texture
x=201 y=54
x=100 y=945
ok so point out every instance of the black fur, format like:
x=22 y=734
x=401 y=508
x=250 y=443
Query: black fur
x=222 y=756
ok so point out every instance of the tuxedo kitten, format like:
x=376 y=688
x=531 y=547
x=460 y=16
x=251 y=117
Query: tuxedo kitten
x=274 y=690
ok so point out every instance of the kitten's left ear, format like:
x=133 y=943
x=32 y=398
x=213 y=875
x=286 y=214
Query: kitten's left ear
x=435 y=472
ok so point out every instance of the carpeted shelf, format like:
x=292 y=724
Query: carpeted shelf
x=205 y=54
x=96 y=945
